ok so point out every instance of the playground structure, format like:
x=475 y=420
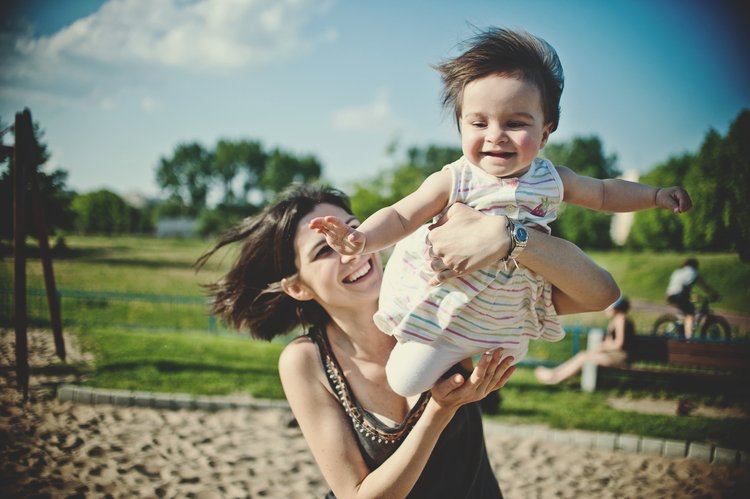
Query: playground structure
x=24 y=164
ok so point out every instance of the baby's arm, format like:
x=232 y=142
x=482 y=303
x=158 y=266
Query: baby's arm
x=390 y=224
x=616 y=195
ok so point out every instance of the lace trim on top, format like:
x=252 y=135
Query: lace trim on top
x=361 y=417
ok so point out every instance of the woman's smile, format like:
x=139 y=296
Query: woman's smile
x=362 y=272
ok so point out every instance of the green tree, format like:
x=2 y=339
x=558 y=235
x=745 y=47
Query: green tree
x=738 y=173
x=393 y=184
x=585 y=155
x=385 y=189
x=192 y=171
x=253 y=161
x=707 y=224
x=233 y=158
x=283 y=168
x=432 y=158
x=222 y=217
x=173 y=206
x=54 y=195
x=102 y=212
x=188 y=175
x=227 y=165
x=661 y=229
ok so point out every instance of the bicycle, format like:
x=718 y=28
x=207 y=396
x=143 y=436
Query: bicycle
x=708 y=324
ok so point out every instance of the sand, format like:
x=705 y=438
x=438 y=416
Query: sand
x=54 y=449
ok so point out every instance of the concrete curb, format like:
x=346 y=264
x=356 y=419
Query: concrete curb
x=174 y=401
x=593 y=440
x=674 y=449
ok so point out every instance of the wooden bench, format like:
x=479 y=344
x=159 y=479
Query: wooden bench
x=699 y=364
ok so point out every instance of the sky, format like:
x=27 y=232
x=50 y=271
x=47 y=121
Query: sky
x=116 y=85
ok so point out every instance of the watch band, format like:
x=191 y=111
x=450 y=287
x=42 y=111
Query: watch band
x=518 y=236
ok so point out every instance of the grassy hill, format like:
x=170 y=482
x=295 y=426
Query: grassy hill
x=645 y=275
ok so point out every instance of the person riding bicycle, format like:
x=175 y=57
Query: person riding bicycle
x=679 y=290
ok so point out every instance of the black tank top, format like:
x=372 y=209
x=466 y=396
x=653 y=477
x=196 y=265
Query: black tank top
x=628 y=340
x=458 y=466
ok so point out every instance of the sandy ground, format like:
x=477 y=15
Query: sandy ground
x=54 y=449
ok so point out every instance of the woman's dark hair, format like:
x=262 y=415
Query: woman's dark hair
x=249 y=296
x=506 y=52
x=621 y=305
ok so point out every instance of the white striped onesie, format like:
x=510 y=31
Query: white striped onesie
x=496 y=306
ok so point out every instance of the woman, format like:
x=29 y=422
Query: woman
x=613 y=351
x=367 y=440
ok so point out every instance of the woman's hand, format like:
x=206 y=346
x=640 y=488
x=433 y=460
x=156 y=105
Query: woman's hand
x=463 y=240
x=490 y=374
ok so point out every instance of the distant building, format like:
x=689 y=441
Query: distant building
x=135 y=199
x=623 y=222
x=176 y=227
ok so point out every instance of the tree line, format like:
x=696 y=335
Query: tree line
x=247 y=176
x=717 y=178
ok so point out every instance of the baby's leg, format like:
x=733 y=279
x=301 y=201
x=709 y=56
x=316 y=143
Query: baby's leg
x=414 y=367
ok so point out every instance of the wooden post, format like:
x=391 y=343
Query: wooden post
x=25 y=162
x=21 y=157
x=45 y=255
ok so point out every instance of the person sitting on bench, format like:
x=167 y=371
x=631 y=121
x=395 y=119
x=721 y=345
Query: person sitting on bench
x=614 y=350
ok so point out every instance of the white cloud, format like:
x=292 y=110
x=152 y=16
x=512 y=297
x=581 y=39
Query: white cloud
x=204 y=35
x=377 y=116
x=125 y=39
x=107 y=103
x=151 y=104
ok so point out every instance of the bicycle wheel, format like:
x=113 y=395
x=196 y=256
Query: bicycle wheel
x=716 y=327
x=666 y=325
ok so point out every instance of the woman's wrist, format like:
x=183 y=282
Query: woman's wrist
x=518 y=237
x=438 y=414
x=505 y=240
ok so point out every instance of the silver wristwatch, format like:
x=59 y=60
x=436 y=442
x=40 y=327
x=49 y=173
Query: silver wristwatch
x=519 y=236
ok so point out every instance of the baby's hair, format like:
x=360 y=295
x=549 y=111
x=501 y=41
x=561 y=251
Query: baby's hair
x=250 y=295
x=505 y=52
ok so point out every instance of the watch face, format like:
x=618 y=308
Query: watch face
x=521 y=234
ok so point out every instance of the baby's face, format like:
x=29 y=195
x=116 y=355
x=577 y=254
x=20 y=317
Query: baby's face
x=502 y=124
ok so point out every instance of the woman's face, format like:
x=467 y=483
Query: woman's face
x=333 y=284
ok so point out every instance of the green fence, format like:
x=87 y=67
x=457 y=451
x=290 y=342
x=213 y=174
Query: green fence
x=83 y=308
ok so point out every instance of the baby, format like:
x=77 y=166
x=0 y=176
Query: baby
x=505 y=93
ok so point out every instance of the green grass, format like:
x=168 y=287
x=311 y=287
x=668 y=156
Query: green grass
x=127 y=264
x=198 y=364
x=164 y=360
x=130 y=264
x=124 y=265
x=524 y=401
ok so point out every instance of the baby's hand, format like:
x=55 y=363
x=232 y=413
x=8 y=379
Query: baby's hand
x=673 y=198
x=339 y=235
